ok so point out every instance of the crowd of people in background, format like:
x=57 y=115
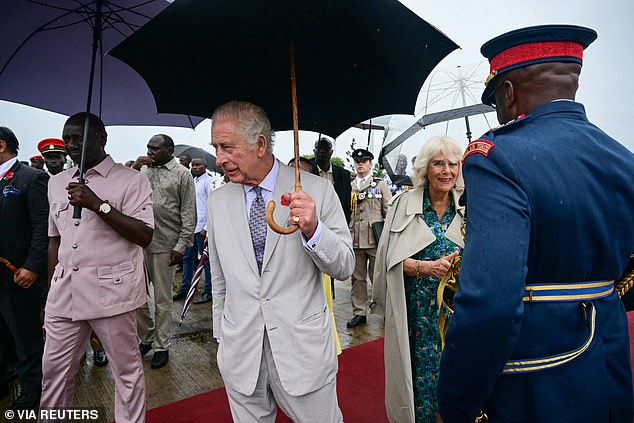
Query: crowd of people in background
x=537 y=331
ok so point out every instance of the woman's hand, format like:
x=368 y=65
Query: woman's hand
x=439 y=267
x=436 y=268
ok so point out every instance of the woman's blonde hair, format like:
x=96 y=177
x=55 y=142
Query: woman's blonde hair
x=436 y=145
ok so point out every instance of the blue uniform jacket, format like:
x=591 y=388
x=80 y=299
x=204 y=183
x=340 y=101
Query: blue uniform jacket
x=552 y=202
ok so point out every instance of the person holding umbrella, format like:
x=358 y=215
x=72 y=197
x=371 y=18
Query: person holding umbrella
x=96 y=274
x=270 y=314
x=202 y=183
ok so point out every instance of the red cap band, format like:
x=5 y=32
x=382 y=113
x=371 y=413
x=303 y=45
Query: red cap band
x=534 y=51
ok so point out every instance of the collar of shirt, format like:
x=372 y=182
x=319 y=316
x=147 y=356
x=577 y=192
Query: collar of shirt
x=103 y=168
x=319 y=169
x=169 y=165
x=202 y=178
x=361 y=181
x=267 y=184
x=4 y=167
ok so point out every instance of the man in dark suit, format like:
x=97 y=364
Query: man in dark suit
x=23 y=242
x=337 y=175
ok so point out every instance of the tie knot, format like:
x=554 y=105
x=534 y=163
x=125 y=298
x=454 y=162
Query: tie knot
x=258 y=191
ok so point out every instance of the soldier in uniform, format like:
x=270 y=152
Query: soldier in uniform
x=539 y=333
x=52 y=149
x=370 y=197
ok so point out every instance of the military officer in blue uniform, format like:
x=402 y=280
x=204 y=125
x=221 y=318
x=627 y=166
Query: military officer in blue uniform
x=539 y=334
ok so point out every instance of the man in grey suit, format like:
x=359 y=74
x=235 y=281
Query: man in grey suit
x=269 y=310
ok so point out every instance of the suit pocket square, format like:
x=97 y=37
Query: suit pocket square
x=10 y=191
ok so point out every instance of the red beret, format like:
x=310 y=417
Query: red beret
x=51 y=145
x=34 y=158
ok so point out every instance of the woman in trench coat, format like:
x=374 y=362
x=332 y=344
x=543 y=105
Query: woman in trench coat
x=420 y=236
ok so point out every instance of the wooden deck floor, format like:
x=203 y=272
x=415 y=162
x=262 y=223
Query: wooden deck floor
x=192 y=367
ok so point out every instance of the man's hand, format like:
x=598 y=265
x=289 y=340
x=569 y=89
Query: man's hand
x=303 y=212
x=175 y=258
x=82 y=196
x=142 y=161
x=203 y=236
x=24 y=277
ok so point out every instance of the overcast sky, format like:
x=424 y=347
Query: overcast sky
x=605 y=86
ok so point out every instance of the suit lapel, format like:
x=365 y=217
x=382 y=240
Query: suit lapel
x=4 y=182
x=236 y=211
x=285 y=183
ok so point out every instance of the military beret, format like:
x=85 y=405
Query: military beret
x=361 y=154
x=36 y=158
x=51 y=145
x=532 y=45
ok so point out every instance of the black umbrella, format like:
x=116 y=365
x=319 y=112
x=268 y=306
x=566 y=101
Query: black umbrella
x=354 y=59
x=197 y=153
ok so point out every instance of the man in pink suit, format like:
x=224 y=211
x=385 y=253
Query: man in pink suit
x=96 y=270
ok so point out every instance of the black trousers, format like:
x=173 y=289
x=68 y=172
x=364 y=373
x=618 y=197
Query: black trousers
x=20 y=323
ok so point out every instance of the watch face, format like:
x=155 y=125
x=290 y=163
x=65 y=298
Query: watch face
x=104 y=208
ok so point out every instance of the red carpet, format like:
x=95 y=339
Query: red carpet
x=630 y=326
x=360 y=388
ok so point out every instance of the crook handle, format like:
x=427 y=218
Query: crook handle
x=270 y=208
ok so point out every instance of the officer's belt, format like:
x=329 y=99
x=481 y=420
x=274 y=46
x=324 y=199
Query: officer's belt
x=573 y=291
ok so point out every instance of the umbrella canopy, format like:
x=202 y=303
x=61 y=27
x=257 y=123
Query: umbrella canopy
x=354 y=59
x=45 y=59
x=197 y=153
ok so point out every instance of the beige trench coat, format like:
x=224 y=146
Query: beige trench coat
x=407 y=235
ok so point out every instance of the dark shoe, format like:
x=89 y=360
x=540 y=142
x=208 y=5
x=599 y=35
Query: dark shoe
x=356 y=321
x=178 y=296
x=26 y=401
x=160 y=359
x=204 y=299
x=145 y=348
x=99 y=358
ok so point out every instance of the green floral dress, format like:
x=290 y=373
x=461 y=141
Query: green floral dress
x=422 y=315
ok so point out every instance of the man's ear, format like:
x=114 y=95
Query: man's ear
x=510 y=96
x=3 y=146
x=261 y=145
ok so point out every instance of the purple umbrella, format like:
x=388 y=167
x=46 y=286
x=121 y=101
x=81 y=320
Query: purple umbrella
x=53 y=55
x=192 y=288
x=45 y=59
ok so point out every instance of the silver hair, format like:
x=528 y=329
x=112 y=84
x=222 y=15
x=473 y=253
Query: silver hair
x=436 y=145
x=252 y=119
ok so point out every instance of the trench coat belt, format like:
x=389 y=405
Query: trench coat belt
x=574 y=291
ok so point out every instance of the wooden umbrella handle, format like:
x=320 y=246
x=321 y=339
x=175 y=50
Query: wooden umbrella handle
x=270 y=207
x=7 y=263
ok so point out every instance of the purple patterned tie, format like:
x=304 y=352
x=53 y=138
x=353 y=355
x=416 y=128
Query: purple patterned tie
x=257 y=225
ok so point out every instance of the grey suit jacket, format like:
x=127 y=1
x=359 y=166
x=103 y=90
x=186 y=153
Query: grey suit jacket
x=287 y=300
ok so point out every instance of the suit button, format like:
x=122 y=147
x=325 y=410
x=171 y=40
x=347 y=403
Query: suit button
x=74 y=246
x=77 y=223
x=75 y=268
x=117 y=279
x=263 y=301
